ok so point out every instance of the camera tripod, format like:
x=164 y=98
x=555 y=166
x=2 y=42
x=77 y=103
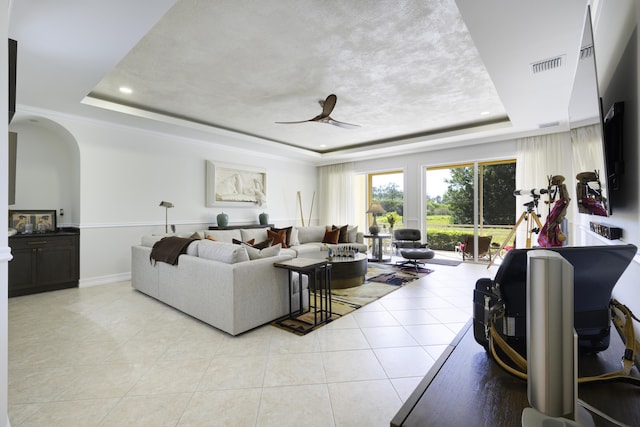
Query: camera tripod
x=530 y=216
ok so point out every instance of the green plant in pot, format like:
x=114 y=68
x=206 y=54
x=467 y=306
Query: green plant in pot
x=392 y=218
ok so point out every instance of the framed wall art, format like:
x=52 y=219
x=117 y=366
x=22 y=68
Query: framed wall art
x=232 y=185
x=32 y=221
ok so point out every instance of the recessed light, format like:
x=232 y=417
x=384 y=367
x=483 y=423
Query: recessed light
x=485 y=113
x=126 y=90
x=323 y=145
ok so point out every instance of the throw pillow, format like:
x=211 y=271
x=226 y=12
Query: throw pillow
x=288 y=230
x=196 y=235
x=267 y=243
x=352 y=234
x=342 y=238
x=278 y=237
x=294 y=238
x=263 y=253
x=213 y=239
x=331 y=236
x=238 y=242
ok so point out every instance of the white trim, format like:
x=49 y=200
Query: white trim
x=141 y=224
x=104 y=280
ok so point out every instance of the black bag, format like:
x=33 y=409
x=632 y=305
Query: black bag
x=503 y=299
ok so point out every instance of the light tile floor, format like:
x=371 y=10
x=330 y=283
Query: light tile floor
x=110 y=356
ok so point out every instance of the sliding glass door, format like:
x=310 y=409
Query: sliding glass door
x=467 y=201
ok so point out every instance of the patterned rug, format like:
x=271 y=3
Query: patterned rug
x=380 y=280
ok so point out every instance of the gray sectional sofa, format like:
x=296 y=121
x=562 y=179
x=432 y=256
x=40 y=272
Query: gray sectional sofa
x=230 y=286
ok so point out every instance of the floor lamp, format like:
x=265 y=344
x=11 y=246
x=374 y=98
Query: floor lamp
x=166 y=205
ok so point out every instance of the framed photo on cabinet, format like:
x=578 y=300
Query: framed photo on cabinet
x=32 y=221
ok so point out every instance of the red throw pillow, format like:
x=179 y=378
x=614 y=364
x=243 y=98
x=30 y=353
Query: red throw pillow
x=331 y=236
x=278 y=237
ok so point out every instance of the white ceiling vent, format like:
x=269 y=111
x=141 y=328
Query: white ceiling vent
x=586 y=52
x=547 y=64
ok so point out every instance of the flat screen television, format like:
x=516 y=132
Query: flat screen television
x=613 y=148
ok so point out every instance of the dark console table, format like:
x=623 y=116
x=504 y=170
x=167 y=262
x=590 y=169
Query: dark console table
x=44 y=262
x=235 y=227
x=467 y=388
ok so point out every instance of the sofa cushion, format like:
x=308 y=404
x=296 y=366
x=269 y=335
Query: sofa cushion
x=223 y=252
x=263 y=253
x=192 y=249
x=258 y=234
x=278 y=237
x=312 y=233
x=331 y=235
x=343 y=237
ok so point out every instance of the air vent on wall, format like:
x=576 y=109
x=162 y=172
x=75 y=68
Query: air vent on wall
x=586 y=52
x=548 y=125
x=547 y=64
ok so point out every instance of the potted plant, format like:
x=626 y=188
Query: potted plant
x=391 y=219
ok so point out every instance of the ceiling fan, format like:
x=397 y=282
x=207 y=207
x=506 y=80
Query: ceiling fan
x=324 y=117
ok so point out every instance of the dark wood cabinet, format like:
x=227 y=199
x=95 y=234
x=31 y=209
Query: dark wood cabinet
x=44 y=262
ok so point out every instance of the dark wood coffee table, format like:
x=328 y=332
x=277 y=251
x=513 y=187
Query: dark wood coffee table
x=348 y=272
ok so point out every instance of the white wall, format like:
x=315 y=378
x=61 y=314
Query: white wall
x=48 y=168
x=117 y=177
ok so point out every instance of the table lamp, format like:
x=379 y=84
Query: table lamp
x=375 y=209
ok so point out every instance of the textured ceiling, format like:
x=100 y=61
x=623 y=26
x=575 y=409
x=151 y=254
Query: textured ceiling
x=414 y=75
x=399 y=69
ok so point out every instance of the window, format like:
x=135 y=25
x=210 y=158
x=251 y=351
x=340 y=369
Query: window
x=387 y=188
x=455 y=208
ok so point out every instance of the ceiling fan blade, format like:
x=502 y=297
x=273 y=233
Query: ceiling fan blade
x=328 y=105
x=342 y=124
x=293 y=123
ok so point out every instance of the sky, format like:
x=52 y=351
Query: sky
x=436 y=185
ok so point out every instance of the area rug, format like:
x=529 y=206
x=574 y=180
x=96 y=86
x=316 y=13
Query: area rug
x=380 y=280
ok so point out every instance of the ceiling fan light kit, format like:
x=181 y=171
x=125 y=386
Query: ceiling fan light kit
x=327 y=107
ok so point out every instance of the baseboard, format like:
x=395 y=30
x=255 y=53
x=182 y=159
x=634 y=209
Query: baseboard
x=104 y=280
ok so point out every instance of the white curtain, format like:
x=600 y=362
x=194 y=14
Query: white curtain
x=586 y=144
x=335 y=201
x=538 y=158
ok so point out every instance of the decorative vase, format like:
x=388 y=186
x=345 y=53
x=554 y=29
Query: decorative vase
x=223 y=219
x=263 y=218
